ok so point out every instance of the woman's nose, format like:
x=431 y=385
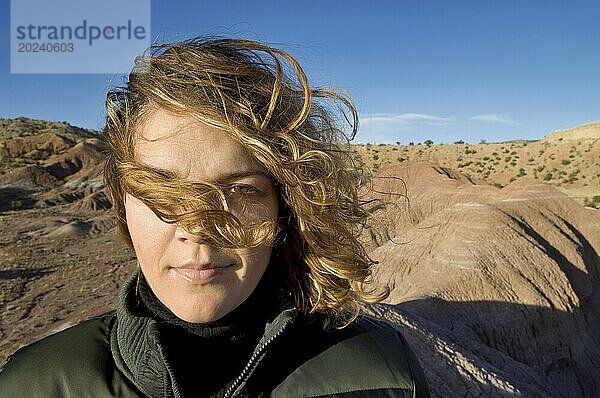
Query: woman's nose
x=183 y=235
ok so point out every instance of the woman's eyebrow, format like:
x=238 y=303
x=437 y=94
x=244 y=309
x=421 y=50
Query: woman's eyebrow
x=162 y=172
x=223 y=178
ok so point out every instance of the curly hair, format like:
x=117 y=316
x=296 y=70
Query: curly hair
x=242 y=88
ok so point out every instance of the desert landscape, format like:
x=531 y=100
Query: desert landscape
x=491 y=251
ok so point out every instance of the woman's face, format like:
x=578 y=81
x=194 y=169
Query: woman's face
x=198 y=282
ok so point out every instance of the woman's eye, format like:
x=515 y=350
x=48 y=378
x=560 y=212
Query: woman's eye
x=243 y=189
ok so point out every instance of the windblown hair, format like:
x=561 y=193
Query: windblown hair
x=241 y=87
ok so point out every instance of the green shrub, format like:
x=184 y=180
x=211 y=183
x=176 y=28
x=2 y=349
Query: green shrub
x=566 y=161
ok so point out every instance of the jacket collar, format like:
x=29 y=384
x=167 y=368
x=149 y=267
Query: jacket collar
x=135 y=344
x=137 y=351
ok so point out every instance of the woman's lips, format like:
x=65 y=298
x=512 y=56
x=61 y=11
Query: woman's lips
x=200 y=276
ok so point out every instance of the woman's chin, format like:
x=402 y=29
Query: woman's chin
x=205 y=313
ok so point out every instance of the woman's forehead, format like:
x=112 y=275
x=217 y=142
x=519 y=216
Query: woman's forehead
x=190 y=148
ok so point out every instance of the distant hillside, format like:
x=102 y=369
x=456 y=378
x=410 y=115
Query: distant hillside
x=25 y=127
x=46 y=163
x=566 y=159
x=584 y=132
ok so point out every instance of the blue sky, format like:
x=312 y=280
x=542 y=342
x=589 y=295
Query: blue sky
x=417 y=70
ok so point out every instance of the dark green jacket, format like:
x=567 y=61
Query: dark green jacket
x=119 y=354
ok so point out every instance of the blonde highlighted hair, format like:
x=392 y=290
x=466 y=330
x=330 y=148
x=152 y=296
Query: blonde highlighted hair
x=242 y=88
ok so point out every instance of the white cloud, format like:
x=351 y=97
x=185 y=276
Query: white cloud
x=403 y=118
x=495 y=118
x=389 y=127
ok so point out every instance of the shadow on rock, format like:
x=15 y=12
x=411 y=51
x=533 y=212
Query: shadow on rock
x=12 y=198
x=490 y=348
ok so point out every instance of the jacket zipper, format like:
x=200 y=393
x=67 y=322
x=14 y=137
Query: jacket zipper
x=249 y=366
x=169 y=371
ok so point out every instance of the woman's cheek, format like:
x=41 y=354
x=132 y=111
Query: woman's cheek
x=150 y=235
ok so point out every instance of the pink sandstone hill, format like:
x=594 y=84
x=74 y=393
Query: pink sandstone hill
x=495 y=288
x=45 y=164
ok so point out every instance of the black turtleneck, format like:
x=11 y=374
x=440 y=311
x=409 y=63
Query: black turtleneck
x=207 y=357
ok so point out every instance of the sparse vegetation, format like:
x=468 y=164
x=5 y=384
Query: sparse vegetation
x=503 y=162
x=593 y=202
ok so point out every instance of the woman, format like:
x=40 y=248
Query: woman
x=231 y=183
